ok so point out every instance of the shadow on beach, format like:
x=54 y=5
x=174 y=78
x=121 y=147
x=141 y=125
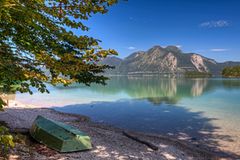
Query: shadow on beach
x=166 y=119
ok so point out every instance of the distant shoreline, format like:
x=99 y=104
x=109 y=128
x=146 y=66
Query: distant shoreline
x=167 y=75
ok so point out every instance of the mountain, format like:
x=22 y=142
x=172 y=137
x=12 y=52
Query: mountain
x=168 y=60
x=112 y=61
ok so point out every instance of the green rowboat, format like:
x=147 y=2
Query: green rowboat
x=59 y=136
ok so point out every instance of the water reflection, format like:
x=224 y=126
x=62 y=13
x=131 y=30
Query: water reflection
x=198 y=87
x=163 y=90
x=156 y=90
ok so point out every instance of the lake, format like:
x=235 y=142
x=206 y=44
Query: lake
x=201 y=109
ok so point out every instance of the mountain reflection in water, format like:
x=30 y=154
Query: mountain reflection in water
x=163 y=90
x=155 y=89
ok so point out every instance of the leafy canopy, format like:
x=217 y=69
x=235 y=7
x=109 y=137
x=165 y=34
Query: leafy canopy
x=37 y=44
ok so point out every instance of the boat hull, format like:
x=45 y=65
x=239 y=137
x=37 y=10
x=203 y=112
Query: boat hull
x=59 y=136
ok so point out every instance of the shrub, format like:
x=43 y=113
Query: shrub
x=6 y=140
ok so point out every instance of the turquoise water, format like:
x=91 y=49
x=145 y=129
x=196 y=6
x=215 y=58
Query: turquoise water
x=189 y=109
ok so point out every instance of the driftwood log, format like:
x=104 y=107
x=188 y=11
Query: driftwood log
x=131 y=136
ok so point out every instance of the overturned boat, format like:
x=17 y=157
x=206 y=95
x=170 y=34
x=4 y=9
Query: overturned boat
x=59 y=136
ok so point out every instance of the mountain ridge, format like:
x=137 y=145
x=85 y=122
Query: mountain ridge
x=168 y=60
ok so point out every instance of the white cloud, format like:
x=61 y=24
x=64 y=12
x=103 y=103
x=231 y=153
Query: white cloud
x=215 y=24
x=131 y=48
x=179 y=46
x=219 y=49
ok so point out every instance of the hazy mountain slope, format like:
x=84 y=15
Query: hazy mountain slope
x=112 y=61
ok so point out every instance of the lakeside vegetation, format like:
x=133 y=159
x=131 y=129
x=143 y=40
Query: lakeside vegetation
x=196 y=74
x=231 y=72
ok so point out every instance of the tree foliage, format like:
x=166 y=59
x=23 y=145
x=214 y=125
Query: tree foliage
x=6 y=140
x=196 y=74
x=231 y=71
x=37 y=43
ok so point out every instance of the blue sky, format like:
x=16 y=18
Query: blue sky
x=208 y=27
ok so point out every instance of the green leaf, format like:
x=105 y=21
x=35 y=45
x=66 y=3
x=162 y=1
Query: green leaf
x=40 y=49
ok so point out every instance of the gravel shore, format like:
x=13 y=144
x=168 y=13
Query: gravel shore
x=108 y=142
